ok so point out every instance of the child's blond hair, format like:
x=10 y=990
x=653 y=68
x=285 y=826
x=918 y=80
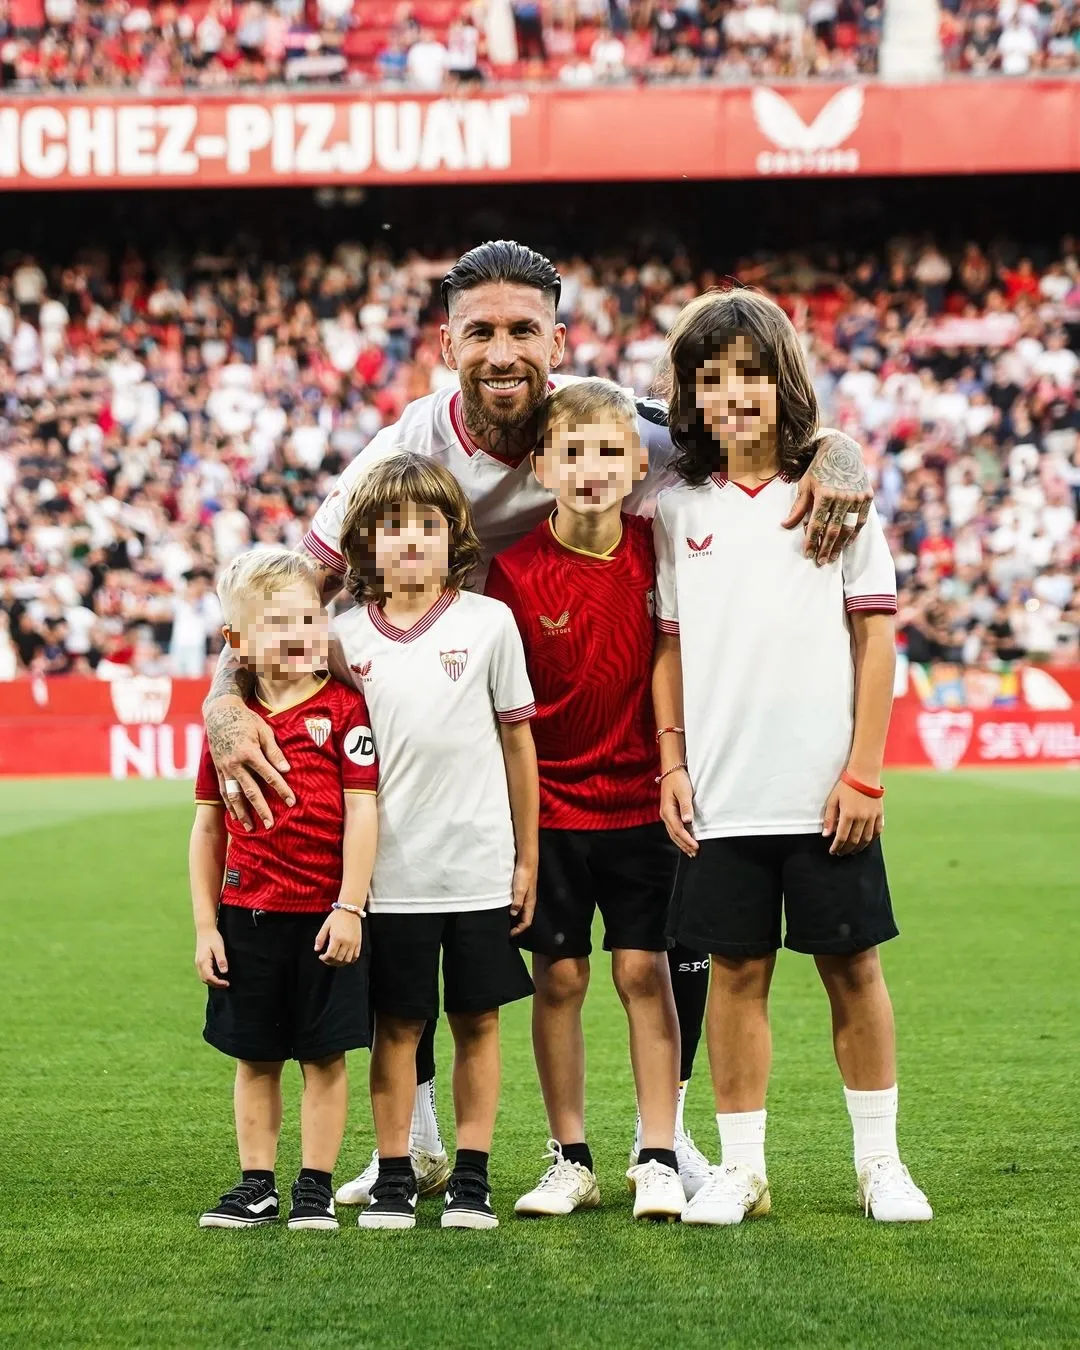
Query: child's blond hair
x=262 y=571
x=583 y=401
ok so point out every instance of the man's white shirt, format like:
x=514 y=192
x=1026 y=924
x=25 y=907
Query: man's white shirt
x=436 y=694
x=506 y=499
x=768 y=679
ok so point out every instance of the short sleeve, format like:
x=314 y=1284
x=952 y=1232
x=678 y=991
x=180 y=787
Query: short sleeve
x=869 y=574
x=499 y=586
x=359 y=762
x=206 y=780
x=323 y=539
x=511 y=692
x=667 y=604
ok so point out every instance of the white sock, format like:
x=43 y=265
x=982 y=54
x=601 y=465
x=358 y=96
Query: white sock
x=742 y=1138
x=425 y=1125
x=680 y=1103
x=873 y=1121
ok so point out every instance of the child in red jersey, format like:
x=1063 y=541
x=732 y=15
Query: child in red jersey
x=278 y=912
x=580 y=586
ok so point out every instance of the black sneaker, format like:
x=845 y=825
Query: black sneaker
x=312 y=1205
x=468 y=1202
x=393 y=1202
x=245 y=1206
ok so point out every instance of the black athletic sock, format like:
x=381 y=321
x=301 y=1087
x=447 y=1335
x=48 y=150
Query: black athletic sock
x=664 y=1156
x=471 y=1160
x=578 y=1153
x=323 y=1178
x=425 y=1052
x=254 y=1174
x=690 y=986
x=390 y=1167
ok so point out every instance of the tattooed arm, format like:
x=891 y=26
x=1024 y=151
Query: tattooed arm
x=835 y=492
x=242 y=745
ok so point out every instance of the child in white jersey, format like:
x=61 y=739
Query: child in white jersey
x=443 y=673
x=774 y=684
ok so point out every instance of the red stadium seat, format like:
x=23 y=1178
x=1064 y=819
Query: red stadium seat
x=375 y=13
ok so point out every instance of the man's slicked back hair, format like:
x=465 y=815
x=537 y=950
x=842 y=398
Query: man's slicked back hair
x=501 y=260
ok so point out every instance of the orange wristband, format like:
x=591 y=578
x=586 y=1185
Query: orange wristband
x=864 y=788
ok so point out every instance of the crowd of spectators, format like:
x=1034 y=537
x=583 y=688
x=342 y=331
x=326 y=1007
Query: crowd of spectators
x=158 y=414
x=160 y=45
x=1010 y=37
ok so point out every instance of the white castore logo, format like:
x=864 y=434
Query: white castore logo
x=945 y=736
x=803 y=148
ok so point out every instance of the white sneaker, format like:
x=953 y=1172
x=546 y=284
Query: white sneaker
x=887 y=1192
x=432 y=1172
x=694 y=1168
x=658 y=1192
x=731 y=1194
x=564 y=1187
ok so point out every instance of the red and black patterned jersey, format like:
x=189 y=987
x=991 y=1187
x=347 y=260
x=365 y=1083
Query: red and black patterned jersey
x=295 y=866
x=587 y=624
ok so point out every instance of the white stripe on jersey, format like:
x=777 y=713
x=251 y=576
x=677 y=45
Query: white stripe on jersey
x=436 y=694
x=768 y=681
x=507 y=500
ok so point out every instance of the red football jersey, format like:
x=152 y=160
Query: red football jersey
x=295 y=866
x=587 y=624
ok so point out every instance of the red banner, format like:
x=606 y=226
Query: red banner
x=152 y=728
x=210 y=140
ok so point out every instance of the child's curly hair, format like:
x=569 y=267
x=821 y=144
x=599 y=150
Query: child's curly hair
x=406 y=477
x=704 y=329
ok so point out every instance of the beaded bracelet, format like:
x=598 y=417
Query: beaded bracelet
x=349 y=909
x=674 y=769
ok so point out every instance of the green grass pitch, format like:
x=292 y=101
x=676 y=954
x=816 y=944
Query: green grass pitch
x=115 y=1123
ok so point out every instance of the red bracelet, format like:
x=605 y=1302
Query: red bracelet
x=674 y=769
x=664 y=731
x=866 y=791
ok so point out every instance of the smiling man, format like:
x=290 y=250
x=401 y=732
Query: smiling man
x=503 y=339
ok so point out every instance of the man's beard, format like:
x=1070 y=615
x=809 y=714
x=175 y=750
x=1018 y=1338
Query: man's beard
x=480 y=419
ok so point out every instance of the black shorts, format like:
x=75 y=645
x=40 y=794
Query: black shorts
x=481 y=967
x=627 y=874
x=728 y=900
x=282 y=1001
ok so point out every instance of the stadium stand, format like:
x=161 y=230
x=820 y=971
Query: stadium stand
x=68 y=45
x=156 y=419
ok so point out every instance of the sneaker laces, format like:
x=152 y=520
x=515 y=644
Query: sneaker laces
x=729 y=1181
x=371 y=1171
x=887 y=1179
x=393 y=1188
x=690 y=1153
x=244 y=1192
x=651 y=1176
x=562 y=1171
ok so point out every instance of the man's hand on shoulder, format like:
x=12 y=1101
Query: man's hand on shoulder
x=835 y=492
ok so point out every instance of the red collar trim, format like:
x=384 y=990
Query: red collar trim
x=721 y=479
x=383 y=625
x=457 y=421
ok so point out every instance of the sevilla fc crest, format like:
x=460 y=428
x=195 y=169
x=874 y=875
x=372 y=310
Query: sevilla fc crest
x=945 y=736
x=319 y=729
x=454 y=663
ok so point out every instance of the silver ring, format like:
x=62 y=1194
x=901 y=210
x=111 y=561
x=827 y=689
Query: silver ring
x=232 y=787
x=852 y=518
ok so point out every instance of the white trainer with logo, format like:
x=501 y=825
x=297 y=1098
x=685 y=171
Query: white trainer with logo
x=658 y=1192
x=731 y=1194
x=432 y=1171
x=694 y=1168
x=888 y=1194
x=564 y=1187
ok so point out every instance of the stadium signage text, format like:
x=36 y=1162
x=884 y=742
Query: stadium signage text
x=309 y=139
x=551 y=135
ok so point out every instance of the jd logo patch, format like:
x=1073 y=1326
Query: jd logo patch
x=359 y=746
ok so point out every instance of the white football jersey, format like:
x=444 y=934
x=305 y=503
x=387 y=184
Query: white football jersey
x=436 y=694
x=506 y=499
x=768 y=679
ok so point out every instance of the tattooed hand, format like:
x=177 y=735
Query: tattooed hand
x=835 y=493
x=242 y=746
